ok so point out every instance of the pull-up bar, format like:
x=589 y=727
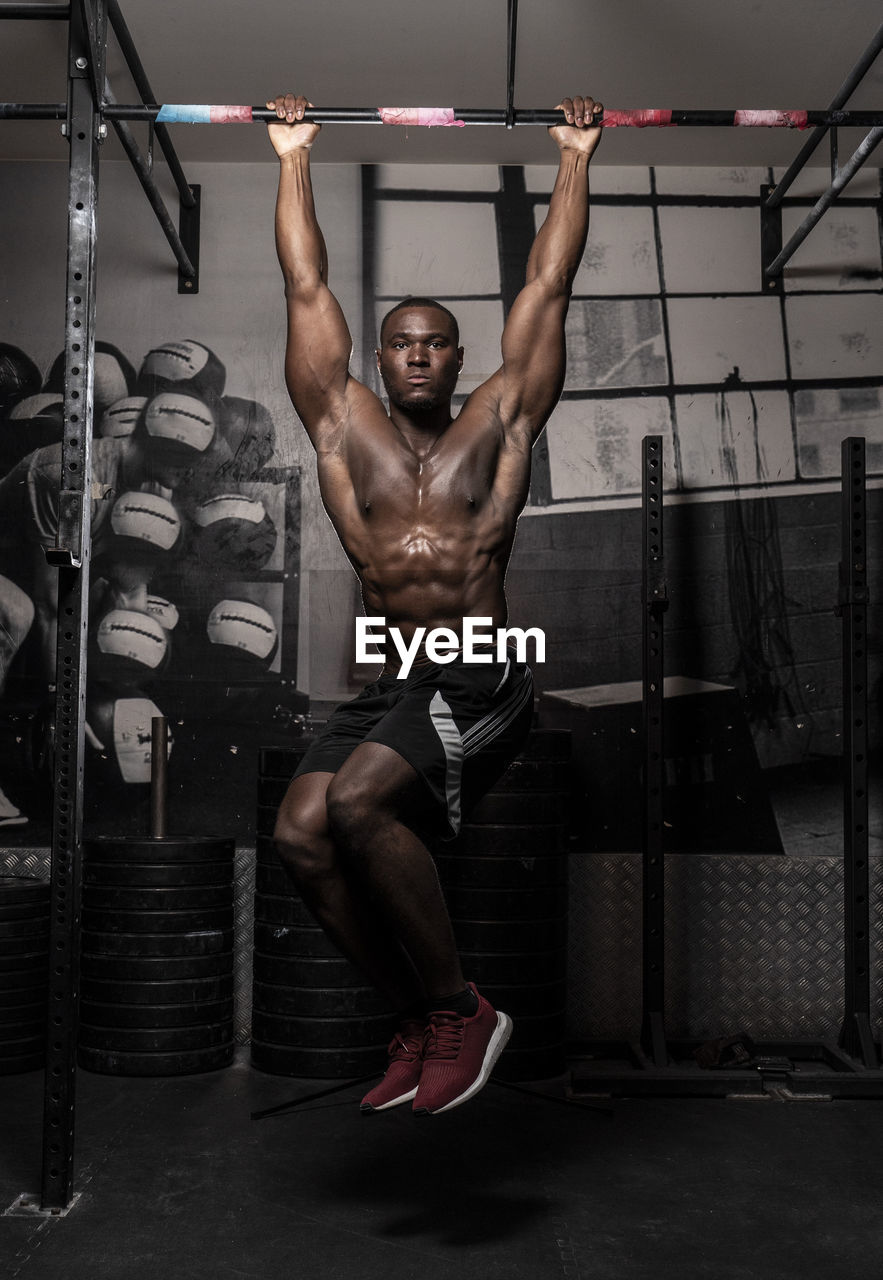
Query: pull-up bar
x=429 y=117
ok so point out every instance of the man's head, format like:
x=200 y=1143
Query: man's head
x=419 y=357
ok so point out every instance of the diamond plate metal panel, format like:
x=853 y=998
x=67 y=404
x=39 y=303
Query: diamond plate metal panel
x=243 y=891
x=25 y=862
x=752 y=943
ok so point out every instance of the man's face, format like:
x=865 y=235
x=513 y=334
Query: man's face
x=419 y=360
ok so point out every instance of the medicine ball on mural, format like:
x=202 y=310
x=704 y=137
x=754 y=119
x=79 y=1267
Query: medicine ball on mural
x=193 y=587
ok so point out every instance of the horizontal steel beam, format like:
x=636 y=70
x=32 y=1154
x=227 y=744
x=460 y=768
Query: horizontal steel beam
x=640 y=119
x=30 y=11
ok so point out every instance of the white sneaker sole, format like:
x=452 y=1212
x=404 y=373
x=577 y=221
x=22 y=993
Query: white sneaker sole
x=368 y=1108
x=496 y=1045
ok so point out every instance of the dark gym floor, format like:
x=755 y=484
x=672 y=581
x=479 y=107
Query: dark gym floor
x=176 y=1180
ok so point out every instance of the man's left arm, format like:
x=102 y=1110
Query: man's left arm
x=532 y=375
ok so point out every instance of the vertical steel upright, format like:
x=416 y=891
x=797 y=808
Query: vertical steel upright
x=855 y=1034
x=71 y=554
x=655 y=602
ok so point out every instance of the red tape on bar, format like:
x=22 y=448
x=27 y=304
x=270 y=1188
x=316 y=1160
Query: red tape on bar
x=636 y=119
x=231 y=115
x=427 y=117
x=771 y=119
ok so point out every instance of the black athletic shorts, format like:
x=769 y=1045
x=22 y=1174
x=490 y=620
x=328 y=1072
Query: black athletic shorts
x=458 y=724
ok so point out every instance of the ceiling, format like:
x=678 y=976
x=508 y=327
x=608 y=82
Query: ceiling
x=631 y=53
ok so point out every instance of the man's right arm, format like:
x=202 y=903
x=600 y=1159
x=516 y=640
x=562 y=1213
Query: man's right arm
x=319 y=343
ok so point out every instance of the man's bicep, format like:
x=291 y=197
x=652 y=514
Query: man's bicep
x=317 y=355
x=534 y=357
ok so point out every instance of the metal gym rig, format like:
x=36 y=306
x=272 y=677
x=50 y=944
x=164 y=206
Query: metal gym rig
x=90 y=106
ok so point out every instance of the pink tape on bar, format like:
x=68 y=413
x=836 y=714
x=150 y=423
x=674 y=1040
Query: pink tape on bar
x=426 y=116
x=231 y=115
x=636 y=119
x=771 y=119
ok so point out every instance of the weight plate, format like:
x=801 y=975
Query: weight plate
x=274 y=880
x=312 y=1002
x=136 y=898
x=23 y=945
x=152 y=852
x=302 y=971
x=506 y=904
x=487 y=969
x=270 y=909
x=29 y=970
x=22 y=1024
x=113 y=1063
x=23 y=889
x=317 y=1064
x=532 y=1064
x=527 y=1000
x=547 y=744
x=151 y=945
x=502 y=873
x=271 y=791
x=160 y=875
x=321 y=1033
x=171 y=922
x=149 y=970
x=31 y=1042
x=144 y=1017
x=491 y=839
x=196 y=990
x=23 y=911
x=30 y=927
x=266 y=819
x=31 y=1011
x=25 y=961
x=538 y=1031
x=517 y=807
x=170 y=1040
x=532 y=775
x=18 y=996
x=510 y=935
x=265 y=848
x=26 y=1062
x=280 y=762
x=292 y=940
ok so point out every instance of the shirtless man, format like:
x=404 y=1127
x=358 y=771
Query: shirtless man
x=426 y=507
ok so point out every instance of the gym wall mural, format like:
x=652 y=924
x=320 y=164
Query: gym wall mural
x=193 y=589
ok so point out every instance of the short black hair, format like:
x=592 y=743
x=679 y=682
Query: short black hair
x=421 y=302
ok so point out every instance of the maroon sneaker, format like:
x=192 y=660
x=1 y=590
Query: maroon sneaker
x=399 y=1084
x=459 y=1055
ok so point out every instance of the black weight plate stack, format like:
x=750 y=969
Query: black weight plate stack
x=505 y=881
x=312 y=1013
x=156 y=966
x=24 y=973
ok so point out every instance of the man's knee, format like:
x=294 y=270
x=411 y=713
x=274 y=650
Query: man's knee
x=302 y=844
x=355 y=812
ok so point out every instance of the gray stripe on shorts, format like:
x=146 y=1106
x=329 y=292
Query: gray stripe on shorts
x=452 y=744
x=493 y=724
